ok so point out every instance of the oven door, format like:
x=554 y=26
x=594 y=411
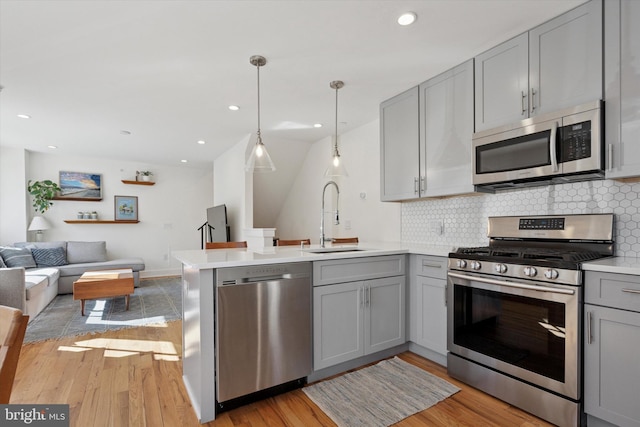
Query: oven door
x=528 y=330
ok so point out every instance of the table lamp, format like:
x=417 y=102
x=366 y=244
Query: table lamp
x=38 y=224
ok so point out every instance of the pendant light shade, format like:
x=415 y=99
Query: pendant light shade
x=336 y=168
x=259 y=160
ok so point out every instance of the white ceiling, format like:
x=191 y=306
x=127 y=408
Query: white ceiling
x=167 y=70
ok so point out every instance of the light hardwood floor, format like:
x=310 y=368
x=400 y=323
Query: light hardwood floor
x=132 y=377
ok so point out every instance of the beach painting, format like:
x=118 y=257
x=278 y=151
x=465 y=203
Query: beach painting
x=80 y=186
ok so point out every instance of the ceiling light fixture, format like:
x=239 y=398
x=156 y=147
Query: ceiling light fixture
x=317 y=125
x=337 y=167
x=24 y=116
x=259 y=160
x=407 y=18
x=201 y=142
x=53 y=147
x=183 y=161
x=234 y=107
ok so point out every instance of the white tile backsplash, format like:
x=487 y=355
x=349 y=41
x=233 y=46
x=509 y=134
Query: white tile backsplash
x=465 y=218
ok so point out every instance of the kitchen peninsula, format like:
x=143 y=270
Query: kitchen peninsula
x=370 y=267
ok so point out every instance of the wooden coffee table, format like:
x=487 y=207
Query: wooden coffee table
x=104 y=284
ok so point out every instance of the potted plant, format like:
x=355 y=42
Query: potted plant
x=144 y=175
x=43 y=192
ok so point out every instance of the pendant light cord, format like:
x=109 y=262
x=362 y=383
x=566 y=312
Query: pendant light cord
x=335 y=142
x=259 y=137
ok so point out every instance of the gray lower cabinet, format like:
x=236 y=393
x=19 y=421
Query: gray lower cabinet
x=357 y=317
x=428 y=305
x=612 y=345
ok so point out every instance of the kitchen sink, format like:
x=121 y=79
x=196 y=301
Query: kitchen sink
x=333 y=250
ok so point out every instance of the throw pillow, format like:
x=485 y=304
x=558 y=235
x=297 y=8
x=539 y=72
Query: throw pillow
x=2 y=264
x=80 y=252
x=17 y=257
x=51 y=257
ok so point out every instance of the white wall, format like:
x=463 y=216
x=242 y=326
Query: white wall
x=369 y=219
x=14 y=203
x=234 y=189
x=169 y=212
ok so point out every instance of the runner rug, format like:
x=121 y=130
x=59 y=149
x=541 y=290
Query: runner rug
x=154 y=301
x=379 y=395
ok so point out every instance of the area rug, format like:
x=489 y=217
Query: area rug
x=379 y=395
x=155 y=300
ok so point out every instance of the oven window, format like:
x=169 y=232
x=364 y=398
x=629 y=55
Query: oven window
x=529 y=151
x=525 y=332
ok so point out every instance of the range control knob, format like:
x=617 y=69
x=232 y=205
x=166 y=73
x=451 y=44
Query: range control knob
x=500 y=268
x=461 y=263
x=475 y=265
x=530 y=271
x=551 y=274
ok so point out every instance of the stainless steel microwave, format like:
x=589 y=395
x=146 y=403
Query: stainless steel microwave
x=562 y=146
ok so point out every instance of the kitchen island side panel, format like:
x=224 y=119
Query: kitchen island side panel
x=198 y=347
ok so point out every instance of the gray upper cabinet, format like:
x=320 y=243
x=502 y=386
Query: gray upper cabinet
x=399 y=147
x=425 y=138
x=446 y=128
x=502 y=84
x=622 y=88
x=555 y=65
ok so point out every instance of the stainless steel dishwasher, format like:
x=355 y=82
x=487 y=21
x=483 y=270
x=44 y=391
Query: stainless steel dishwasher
x=263 y=328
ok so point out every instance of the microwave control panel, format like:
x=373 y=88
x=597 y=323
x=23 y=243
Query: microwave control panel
x=576 y=141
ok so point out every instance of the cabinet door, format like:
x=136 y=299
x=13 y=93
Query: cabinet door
x=446 y=123
x=502 y=84
x=384 y=313
x=399 y=147
x=622 y=83
x=565 y=60
x=612 y=372
x=431 y=313
x=337 y=323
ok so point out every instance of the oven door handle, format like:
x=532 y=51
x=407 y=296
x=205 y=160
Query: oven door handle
x=513 y=284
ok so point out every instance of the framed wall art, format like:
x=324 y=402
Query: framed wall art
x=80 y=186
x=126 y=208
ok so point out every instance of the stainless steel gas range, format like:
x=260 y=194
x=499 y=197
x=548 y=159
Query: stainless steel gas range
x=515 y=311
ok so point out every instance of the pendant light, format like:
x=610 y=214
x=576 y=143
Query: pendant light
x=259 y=161
x=337 y=167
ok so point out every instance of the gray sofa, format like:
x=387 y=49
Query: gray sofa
x=35 y=272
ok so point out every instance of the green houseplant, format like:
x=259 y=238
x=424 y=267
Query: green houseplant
x=43 y=192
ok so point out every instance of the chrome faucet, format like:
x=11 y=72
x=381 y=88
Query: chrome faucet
x=337 y=218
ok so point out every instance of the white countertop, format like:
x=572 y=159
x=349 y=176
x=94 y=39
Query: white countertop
x=218 y=258
x=622 y=265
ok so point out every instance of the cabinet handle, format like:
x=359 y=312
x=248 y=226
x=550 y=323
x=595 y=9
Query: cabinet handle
x=423 y=184
x=361 y=290
x=524 y=108
x=610 y=166
x=368 y=300
x=432 y=265
x=632 y=291
x=415 y=185
x=445 y=294
x=533 y=100
x=589 y=338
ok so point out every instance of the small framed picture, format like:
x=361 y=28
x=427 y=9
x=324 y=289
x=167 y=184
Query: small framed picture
x=126 y=208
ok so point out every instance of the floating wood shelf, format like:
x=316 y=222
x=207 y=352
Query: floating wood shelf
x=139 y=182
x=99 y=221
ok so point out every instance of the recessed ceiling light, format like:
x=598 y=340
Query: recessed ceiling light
x=234 y=107
x=125 y=132
x=201 y=142
x=407 y=18
x=24 y=116
x=184 y=161
x=317 y=125
x=53 y=147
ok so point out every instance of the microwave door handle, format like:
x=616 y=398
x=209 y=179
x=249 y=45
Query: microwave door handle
x=552 y=147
